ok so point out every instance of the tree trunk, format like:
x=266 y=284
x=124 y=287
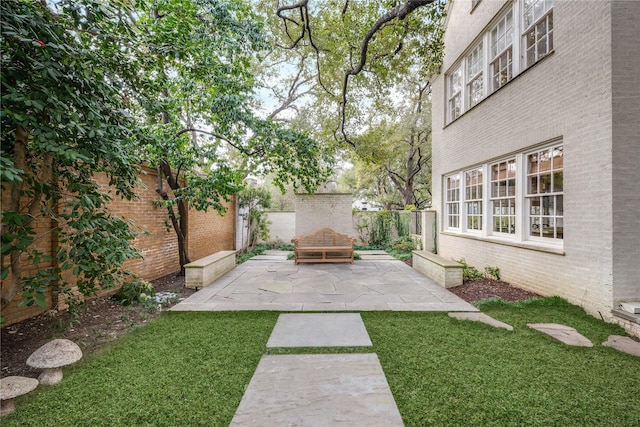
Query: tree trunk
x=180 y=221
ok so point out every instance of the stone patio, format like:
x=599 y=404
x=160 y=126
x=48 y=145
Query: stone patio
x=275 y=283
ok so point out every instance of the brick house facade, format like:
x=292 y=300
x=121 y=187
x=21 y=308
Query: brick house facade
x=536 y=143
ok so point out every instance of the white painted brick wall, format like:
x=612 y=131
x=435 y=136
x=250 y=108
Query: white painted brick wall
x=283 y=225
x=332 y=210
x=625 y=40
x=567 y=95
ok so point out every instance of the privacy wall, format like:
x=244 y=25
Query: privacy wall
x=157 y=242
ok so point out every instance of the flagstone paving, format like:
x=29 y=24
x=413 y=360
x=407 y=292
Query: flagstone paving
x=319 y=330
x=363 y=286
x=318 y=390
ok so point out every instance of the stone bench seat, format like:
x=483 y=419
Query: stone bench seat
x=444 y=272
x=203 y=272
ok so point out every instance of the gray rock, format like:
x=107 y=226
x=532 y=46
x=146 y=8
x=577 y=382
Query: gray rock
x=12 y=387
x=51 y=357
x=625 y=344
x=563 y=333
x=481 y=317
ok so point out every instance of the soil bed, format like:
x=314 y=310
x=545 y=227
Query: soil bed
x=102 y=319
x=99 y=321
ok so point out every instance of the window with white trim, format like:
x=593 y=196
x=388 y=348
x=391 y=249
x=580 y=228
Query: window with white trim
x=537 y=17
x=473 y=198
x=496 y=56
x=520 y=198
x=503 y=196
x=453 y=201
x=454 y=81
x=501 y=61
x=475 y=78
x=545 y=193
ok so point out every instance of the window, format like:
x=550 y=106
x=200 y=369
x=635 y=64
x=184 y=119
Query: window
x=545 y=193
x=503 y=196
x=475 y=85
x=538 y=30
x=502 y=51
x=473 y=198
x=453 y=201
x=454 y=81
x=494 y=59
x=519 y=198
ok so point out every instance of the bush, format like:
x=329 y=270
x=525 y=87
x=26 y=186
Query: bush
x=492 y=272
x=137 y=291
x=469 y=272
x=404 y=244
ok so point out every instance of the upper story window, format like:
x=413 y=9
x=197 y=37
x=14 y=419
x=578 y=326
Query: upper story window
x=502 y=51
x=475 y=78
x=537 y=18
x=496 y=56
x=454 y=82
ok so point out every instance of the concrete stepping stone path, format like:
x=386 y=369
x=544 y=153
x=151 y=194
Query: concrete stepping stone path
x=319 y=330
x=318 y=390
x=625 y=344
x=481 y=317
x=562 y=333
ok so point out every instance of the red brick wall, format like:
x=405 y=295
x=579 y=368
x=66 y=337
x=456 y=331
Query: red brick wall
x=208 y=233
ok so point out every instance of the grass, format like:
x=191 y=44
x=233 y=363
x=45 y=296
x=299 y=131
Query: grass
x=192 y=369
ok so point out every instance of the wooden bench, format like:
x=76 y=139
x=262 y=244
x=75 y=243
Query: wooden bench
x=444 y=272
x=203 y=272
x=323 y=245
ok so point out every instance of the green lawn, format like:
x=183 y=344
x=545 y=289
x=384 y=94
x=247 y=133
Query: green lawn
x=192 y=368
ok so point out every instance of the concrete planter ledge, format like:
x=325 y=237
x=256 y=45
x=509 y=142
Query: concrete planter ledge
x=444 y=272
x=203 y=272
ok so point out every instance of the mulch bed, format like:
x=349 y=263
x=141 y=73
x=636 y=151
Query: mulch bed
x=102 y=319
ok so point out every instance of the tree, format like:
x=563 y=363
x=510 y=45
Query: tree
x=63 y=122
x=252 y=201
x=363 y=49
x=196 y=60
x=398 y=149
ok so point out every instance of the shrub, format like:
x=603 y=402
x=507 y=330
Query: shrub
x=404 y=244
x=492 y=272
x=136 y=291
x=469 y=272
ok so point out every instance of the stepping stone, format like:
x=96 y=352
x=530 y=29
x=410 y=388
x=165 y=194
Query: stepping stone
x=269 y=258
x=319 y=330
x=318 y=390
x=376 y=257
x=563 y=333
x=481 y=317
x=631 y=307
x=626 y=344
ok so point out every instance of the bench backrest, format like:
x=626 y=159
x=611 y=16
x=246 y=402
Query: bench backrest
x=323 y=237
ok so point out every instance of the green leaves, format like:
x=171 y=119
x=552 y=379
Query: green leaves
x=62 y=123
